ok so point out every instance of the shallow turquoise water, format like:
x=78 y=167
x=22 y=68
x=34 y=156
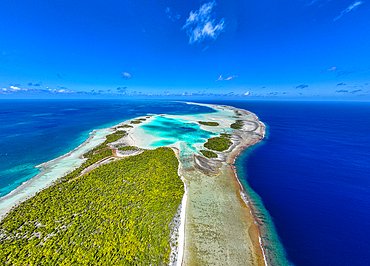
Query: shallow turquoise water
x=172 y=130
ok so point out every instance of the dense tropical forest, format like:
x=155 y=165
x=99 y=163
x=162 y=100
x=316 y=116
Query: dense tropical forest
x=118 y=214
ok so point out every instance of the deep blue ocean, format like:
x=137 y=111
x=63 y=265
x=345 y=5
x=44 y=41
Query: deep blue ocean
x=313 y=176
x=312 y=171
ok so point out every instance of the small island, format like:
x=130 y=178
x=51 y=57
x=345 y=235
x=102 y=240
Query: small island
x=159 y=190
x=207 y=123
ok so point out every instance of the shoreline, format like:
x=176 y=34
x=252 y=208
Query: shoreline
x=242 y=190
x=181 y=230
x=182 y=219
x=234 y=153
x=269 y=242
x=91 y=136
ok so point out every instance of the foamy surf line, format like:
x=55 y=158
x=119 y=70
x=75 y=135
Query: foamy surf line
x=277 y=255
x=244 y=197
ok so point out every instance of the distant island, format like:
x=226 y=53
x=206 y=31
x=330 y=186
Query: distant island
x=154 y=190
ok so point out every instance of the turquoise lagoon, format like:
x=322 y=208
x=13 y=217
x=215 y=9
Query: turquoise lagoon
x=171 y=130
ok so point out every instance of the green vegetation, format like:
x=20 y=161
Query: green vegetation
x=209 y=154
x=109 y=138
x=237 y=125
x=130 y=148
x=218 y=143
x=123 y=126
x=118 y=214
x=138 y=121
x=212 y=124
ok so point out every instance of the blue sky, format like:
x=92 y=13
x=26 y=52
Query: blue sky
x=303 y=49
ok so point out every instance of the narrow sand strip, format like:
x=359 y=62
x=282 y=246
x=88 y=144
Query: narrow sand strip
x=181 y=232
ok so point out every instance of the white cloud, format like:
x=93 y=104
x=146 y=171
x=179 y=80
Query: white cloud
x=15 y=88
x=351 y=7
x=126 y=75
x=200 y=24
x=228 y=78
x=219 y=78
x=231 y=77
x=247 y=93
